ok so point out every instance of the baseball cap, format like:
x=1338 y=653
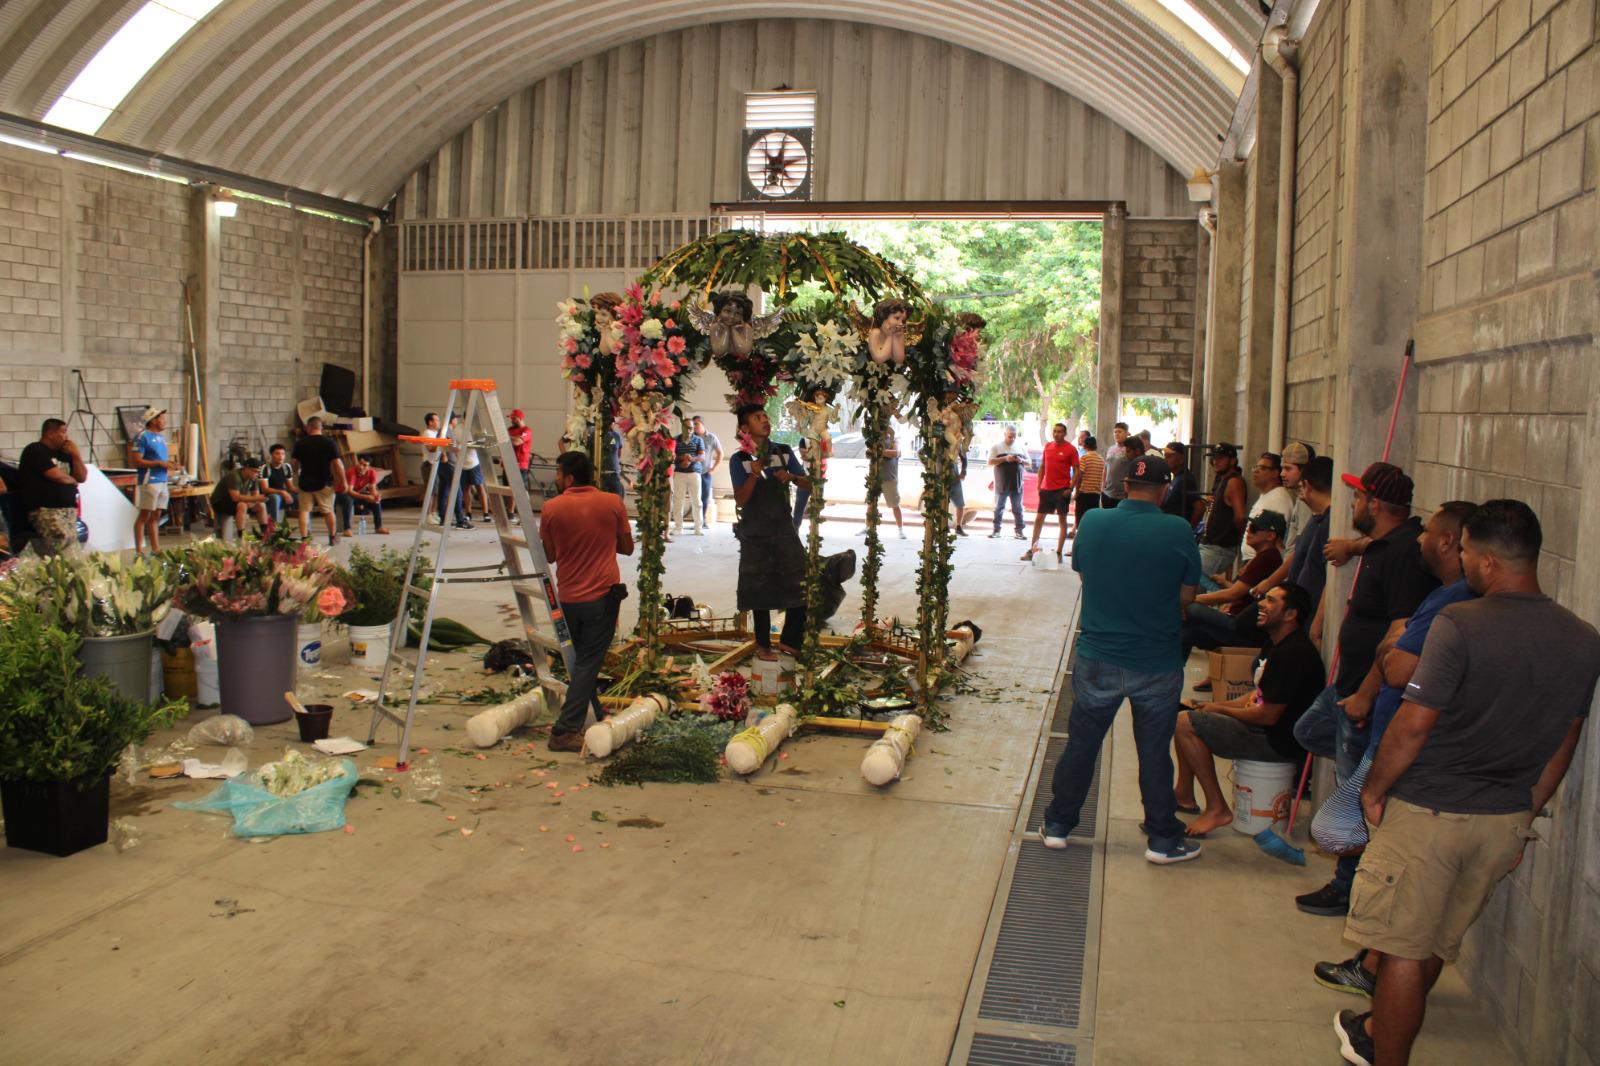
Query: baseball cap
x=1296 y=453
x=153 y=413
x=517 y=413
x=1383 y=481
x=1150 y=470
x=250 y=461
x=1269 y=522
x=1227 y=450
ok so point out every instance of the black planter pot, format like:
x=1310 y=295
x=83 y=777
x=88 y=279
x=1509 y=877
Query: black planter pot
x=56 y=817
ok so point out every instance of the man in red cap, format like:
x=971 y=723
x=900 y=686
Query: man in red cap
x=521 y=443
x=1393 y=581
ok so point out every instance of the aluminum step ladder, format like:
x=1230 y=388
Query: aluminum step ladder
x=525 y=569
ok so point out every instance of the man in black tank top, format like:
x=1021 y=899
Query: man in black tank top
x=1224 y=520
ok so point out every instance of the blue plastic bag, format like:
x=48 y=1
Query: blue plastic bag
x=258 y=813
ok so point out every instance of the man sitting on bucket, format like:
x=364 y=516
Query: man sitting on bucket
x=1258 y=726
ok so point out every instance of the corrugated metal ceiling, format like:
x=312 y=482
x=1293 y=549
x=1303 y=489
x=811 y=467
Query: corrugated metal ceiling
x=347 y=97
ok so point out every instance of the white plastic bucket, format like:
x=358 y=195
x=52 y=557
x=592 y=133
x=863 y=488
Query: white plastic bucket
x=1262 y=793
x=308 y=644
x=765 y=676
x=369 y=646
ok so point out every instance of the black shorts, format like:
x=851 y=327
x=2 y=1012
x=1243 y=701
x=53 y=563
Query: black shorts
x=1055 y=501
x=1087 y=501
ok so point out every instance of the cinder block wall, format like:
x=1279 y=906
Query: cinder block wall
x=92 y=262
x=1158 y=306
x=1507 y=401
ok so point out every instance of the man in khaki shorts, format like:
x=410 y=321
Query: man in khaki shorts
x=1475 y=752
x=153 y=463
x=319 y=472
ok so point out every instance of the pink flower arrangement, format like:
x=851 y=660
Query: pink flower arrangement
x=729 y=698
x=964 y=355
x=227 y=581
x=655 y=354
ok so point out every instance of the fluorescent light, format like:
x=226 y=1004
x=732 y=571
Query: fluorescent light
x=34 y=145
x=123 y=61
x=226 y=208
x=1186 y=13
x=101 y=161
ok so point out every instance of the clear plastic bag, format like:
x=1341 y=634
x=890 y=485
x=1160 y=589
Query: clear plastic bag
x=258 y=813
x=424 y=780
x=226 y=729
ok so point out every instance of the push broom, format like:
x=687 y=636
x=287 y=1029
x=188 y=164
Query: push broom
x=1267 y=840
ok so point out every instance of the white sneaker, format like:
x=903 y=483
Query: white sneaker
x=902 y=534
x=1053 y=838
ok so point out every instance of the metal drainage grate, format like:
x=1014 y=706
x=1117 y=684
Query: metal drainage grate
x=1041 y=794
x=1036 y=974
x=990 y=1050
x=1058 y=721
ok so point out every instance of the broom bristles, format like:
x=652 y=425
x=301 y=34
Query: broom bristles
x=1279 y=848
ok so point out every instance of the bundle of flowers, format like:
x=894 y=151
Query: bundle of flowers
x=229 y=581
x=93 y=595
x=330 y=603
x=728 y=699
x=659 y=353
x=579 y=344
x=754 y=375
x=823 y=356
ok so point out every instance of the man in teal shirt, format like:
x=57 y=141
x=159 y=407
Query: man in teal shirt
x=1139 y=568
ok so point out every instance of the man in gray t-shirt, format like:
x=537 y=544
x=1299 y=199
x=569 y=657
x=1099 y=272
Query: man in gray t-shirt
x=1491 y=720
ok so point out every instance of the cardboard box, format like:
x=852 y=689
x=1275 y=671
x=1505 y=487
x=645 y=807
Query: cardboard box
x=1232 y=672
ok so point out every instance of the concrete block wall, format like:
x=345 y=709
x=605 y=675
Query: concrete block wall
x=1508 y=397
x=92 y=262
x=1318 y=249
x=1160 y=262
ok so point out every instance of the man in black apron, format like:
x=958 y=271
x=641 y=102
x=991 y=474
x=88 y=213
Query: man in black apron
x=772 y=563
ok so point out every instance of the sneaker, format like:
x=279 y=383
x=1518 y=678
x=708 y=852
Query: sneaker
x=566 y=742
x=1181 y=851
x=1027 y=556
x=960 y=532
x=902 y=534
x=1020 y=535
x=1347 y=976
x=1053 y=836
x=995 y=535
x=1355 y=1046
x=465 y=525
x=1332 y=900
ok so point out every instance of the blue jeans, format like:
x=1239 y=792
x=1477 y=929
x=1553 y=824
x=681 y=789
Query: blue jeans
x=1206 y=627
x=705 y=498
x=1214 y=558
x=1327 y=731
x=1098 y=689
x=1000 y=498
x=592 y=623
x=802 y=497
x=447 y=472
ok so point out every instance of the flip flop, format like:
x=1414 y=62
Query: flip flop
x=1182 y=809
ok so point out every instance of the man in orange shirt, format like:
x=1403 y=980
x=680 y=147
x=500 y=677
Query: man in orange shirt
x=583 y=531
x=1058 y=469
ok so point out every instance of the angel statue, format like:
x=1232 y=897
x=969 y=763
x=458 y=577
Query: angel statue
x=813 y=417
x=886 y=341
x=732 y=323
x=605 y=305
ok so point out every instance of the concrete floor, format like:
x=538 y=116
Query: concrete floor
x=797 y=917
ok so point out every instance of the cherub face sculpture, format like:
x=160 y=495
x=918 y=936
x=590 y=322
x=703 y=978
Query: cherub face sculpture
x=888 y=311
x=732 y=308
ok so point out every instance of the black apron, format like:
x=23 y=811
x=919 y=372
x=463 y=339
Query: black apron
x=772 y=563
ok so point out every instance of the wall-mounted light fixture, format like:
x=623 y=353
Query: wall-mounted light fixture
x=1200 y=187
x=226 y=205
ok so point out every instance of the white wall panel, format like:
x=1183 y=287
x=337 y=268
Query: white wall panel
x=653 y=126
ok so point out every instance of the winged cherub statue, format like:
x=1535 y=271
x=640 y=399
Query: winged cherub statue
x=731 y=323
x=886 y=341
x=605 y=305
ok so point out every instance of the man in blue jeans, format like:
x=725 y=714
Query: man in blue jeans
x=1139 y=568
x=1391 y=583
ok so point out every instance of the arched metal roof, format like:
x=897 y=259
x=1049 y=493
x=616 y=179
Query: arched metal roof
x=347 y=97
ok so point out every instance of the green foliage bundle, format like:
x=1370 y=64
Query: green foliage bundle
x=56 y=724
x=681 y=749
x=654 y=493
x=780 y=263
x=375 y=583
x=93 y=595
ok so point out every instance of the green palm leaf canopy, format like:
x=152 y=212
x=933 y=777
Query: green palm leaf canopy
x=780 y=263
